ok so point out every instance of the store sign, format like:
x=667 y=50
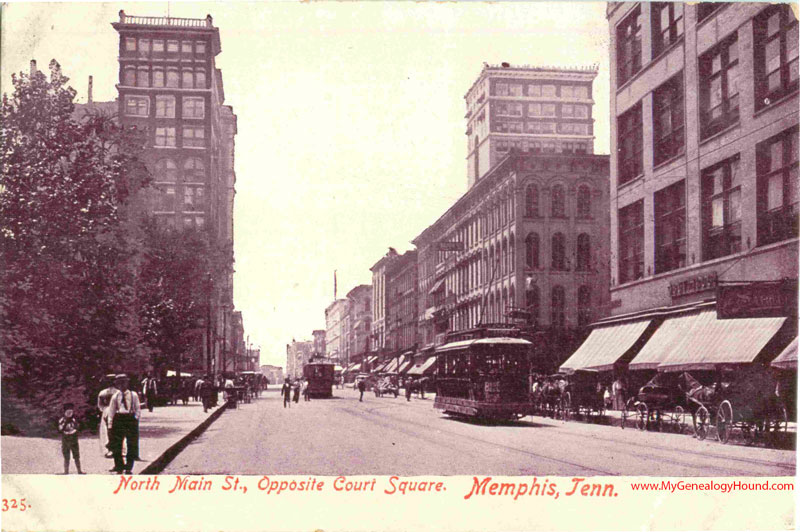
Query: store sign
x=693 y=285
x=451 y=246
x=756 y=300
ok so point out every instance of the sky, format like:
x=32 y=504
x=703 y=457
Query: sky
x=351 y=129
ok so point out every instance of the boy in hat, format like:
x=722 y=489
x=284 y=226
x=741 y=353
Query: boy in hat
x=68 y=427
x=123 y=415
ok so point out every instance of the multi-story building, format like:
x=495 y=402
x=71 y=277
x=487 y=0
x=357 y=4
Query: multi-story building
x=297 y=355
x=379 y=300
x=169 y=86
x=359 y=323
x=536 y=109
x=401 y=303
x=273 y=373
x=704 y=217
x=320 y=347
x=336 y=316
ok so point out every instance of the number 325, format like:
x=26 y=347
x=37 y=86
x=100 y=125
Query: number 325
x=14 y=504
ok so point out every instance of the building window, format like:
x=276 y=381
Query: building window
x=540 y=127
x=144 y=47
x=188 y=79
x=557 y=307
x=172 y=46
x=194 y=170
x=129 y=76
x=165 y=106
x=629 y=144
x=193 y=199
x=173 y=81
x=549 y=146
x=629 y=47
x=166 y=171
x=705 y=9
x=199 y=221
x=532 y=251
x=534 y=90
x=166 y=199
x=584 y=306
x=631 y=242
x=200 y=47
x=501 y=89
x=571 y=128
x=719 y=87
x=584 y=202
x=142 y=77
x=509 y=109
x=668 y=134
x=548 y=109
x=722 y=209
x=532 y=301
x=667 y=18
x=670 y=227
x=557 y=209
x=158 y=77
x=158 y=45
x=583 y=253
x=200 y=81
x=130 y=44
x=568 y=110
x=775 y=48
x=531 y=201
x=558 y=252
x=194 y=137
x=165 y=136
x=137 y=106
x=777 y=183
x=193 y=107
x=515 y=89
x=186 y=47
x=549 y=90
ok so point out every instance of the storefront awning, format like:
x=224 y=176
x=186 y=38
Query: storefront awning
x=669 y=337
x=423 y=369
x=604 y=346
x=708 y=342
x=462 y=344
x=788 y=357
x=406 y=366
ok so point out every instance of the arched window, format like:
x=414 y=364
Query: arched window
x=532 y=301
x=557 y=307
x=490 y=309
x=504 y=305
x=584 y=202
x=143 y=77
x=194 y=170
x=504 y=257
x=166 y=171
x=532 y=251
x=584 y=253
x=512 y=296
x=559 y=258
x=531 y=201
x=557 y=207
x=511 y=258
x=584 y=306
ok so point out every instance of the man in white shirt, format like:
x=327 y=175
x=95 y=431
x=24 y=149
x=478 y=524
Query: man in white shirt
x=123 y=416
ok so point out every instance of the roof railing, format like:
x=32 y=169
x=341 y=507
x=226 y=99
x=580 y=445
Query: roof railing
x=207 y=22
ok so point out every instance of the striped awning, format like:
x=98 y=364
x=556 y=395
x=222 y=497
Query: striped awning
x=708 y=342
x=788 y=357
x=605 y=346
x=424 y=368
x=669 y=337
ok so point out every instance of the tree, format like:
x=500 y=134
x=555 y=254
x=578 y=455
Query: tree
x=68 y=307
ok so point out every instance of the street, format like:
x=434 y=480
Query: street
x=390 y=436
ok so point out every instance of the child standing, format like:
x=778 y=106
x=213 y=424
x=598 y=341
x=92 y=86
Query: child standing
x=68 y=427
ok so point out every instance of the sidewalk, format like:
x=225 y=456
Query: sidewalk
x=157 y=432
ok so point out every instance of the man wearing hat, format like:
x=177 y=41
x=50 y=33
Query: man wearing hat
x=123 y=416
x=103 y=401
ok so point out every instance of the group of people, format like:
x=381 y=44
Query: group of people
x=291 y=391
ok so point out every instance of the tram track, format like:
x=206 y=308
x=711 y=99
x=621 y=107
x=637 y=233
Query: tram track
x=641 y=450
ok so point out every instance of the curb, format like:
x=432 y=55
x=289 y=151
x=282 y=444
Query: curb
x=159 y=464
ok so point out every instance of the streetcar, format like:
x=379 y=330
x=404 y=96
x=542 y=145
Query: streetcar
x=320 y=378
x=483 y=373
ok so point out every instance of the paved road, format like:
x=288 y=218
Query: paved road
x=387 y=436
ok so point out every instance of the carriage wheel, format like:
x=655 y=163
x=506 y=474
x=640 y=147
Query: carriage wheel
x=724 y=421
x=679 y=419
x=700 y=420
x=641 y=416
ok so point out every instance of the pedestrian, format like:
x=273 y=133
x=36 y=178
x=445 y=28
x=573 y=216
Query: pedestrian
x=306 y=391
x=296 y=391
x=150 y=390
x=123 y=414
x=286 y=392
x=103 y=400
x=408 y=390
x=68 y=427
x=361 y=388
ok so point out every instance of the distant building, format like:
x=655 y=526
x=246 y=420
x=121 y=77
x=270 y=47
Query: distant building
x=359 y=323
x=336 y=330
x=401 y=303
x=533 y=109
x=320 y=347
x=297 y=355
x=273 y=373
x=378 y=270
